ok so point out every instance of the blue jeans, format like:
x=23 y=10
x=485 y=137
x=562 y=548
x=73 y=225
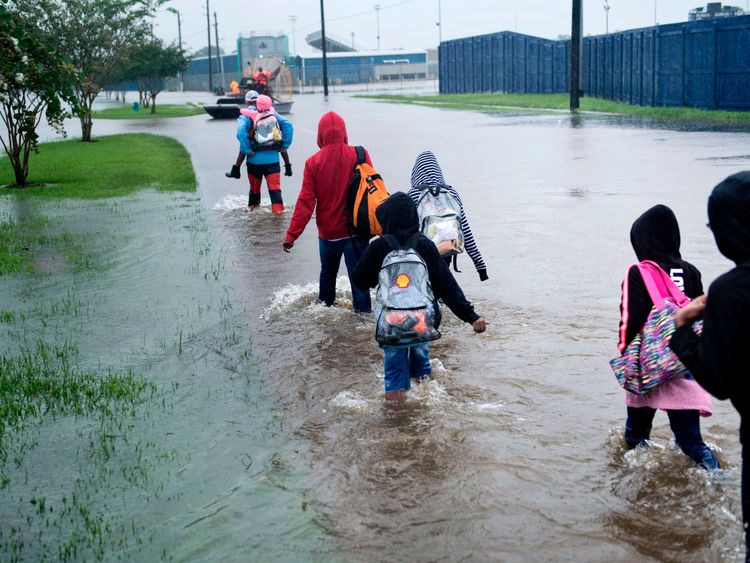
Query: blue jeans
x=404 y=362
x=685 y=425
x=330 y=259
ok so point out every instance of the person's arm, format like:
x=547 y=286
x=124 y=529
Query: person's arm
x=444 y=285
x=635 y=306
x=367 y=270
x=469 y=243
x=287 y=131
x=243 y=131
x=304 y=207
x=714 y=358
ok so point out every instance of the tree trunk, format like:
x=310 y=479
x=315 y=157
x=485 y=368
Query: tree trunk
x=20 y=171
x=87 y=116
x=153 y=103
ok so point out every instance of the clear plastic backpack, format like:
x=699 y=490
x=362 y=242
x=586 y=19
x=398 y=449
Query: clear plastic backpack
x=405 y=310
x=440 y=219
x=266 y=133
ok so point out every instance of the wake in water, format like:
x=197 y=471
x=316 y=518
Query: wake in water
x=232 y=203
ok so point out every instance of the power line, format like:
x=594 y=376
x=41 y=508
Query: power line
x=357 y=15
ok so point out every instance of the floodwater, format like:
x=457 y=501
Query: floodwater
x=513 y=452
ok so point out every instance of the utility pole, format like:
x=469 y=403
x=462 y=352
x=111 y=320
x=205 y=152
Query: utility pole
x=294 y=34
x=210 y=69
x=179 y=41
x=606 y=15
x=325 y=60
x=377 y=19
x=218 y=51
x=575 y=55
x=352 y=40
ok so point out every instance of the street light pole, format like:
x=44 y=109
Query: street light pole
x=575 y=55
x=210 y=68
x=606 y=15
x=325 y=59
x=440 y=25
x=179 y=42
x=377 y=18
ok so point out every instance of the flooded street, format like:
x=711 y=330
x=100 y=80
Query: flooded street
x=277 y=444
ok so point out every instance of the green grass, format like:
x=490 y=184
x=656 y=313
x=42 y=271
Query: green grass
x=166 y=110
x=109 y=167
x=540 y=102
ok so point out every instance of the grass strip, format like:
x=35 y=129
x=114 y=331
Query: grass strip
x=516 y=102
x=162 y=111
x=112 y=166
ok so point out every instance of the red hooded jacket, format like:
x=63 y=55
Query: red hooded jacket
x=325 y=182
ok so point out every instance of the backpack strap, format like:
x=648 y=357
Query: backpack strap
x=659 y=285
x=361 y=155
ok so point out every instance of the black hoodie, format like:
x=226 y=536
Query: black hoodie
x=398 y=216
x=655 y=236
x=717 y=359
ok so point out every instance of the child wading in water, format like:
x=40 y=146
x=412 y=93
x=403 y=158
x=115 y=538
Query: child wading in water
x=398 y=217
x=655 y=236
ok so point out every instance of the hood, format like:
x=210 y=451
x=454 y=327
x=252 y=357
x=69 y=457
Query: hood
x=426 y=171
x=398 y=216
x=264 y=103
x=729 y=216
x=655 y=235
x=331 y=129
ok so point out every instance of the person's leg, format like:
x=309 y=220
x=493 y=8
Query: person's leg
x=273 y=179
x=396 y=370
x=686 y=427
x=330 y=258
x=255 y=176
x=638 y=425
x=353 y=250
x=419 y=361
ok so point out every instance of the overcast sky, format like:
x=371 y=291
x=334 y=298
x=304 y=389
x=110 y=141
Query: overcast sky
x=408 y=24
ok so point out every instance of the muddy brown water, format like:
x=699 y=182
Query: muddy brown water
x=513 y=452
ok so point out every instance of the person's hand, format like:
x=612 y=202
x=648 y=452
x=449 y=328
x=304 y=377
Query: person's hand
x=691 y=312
x=287 y=246
x=287 y=169
x=479 y=325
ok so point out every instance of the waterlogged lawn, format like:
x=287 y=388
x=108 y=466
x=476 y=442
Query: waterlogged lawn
x=511 y=102
x=111 y=166
x=130 y=409
x=167 y=110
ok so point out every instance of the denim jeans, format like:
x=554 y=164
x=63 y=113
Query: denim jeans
x=402 y=363
x=685 y=425
x=330 y=259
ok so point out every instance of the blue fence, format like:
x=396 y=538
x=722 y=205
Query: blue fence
x=700 y=64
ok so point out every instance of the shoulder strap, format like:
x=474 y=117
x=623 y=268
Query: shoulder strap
x=361 y=156
x=660 y=285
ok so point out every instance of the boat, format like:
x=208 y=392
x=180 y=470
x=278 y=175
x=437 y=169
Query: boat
x=279 y=87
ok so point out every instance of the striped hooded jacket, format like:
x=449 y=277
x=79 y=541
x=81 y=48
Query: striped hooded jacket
x=427 y=171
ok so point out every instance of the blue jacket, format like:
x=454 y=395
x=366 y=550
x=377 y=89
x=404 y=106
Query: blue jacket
x=244 y=124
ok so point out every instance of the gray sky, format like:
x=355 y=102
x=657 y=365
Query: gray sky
x=409 y=24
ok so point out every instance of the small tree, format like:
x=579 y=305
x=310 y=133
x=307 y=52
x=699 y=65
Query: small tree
x=34 y=82
x=95 y=35
x=152 y=62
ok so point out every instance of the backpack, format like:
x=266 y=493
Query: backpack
x=440 y=219
x=406 y=310
x=265 y=134
x=366 y=191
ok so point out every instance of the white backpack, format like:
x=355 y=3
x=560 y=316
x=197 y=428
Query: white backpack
x=266 y=134
x=440 y=219
x=406 y=312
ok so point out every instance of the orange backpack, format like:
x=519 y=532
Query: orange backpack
x=366 y=192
